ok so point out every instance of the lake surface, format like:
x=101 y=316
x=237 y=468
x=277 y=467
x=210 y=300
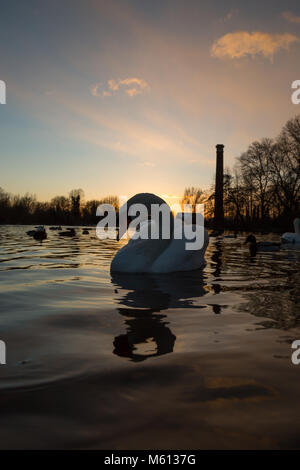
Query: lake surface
x=197 y=360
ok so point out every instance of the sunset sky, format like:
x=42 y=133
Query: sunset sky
x=119 y=97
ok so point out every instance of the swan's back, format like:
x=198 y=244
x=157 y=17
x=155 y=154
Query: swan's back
x=139 y=254
x=292 y=237
x=177 y=258
x=159 y=256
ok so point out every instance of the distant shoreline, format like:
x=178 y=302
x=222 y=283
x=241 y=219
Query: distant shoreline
x=255 y=228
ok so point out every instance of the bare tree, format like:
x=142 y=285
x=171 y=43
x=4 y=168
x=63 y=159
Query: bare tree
x=193 y=196
x=255 y=170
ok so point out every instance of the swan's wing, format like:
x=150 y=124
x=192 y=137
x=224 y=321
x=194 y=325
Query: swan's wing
x=290 y=237
x=177 y=258
x=139 y=254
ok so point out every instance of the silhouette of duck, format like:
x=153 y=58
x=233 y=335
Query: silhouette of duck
x=85 y=232
x=292 y=237
x=38 y=234
x=255 y=246
x=70 y=232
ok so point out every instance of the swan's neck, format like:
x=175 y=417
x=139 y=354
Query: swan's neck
x=297 y=226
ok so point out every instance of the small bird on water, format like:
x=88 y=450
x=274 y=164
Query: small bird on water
x=255 y=246
x=38 y=234
x=70 y=232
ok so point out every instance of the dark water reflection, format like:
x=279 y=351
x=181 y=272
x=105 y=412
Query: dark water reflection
x=145 y=297
x=212 y=346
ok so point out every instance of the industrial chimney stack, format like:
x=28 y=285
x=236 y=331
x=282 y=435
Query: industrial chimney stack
x=219 y=208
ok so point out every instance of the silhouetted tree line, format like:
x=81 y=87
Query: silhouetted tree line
x=263 y=188
x=61 y=210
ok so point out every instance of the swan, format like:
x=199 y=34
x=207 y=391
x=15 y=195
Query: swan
x=158 y=255
x=292 y=237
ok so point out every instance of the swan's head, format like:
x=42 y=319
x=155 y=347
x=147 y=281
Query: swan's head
x=131 y=209
x=297 y=226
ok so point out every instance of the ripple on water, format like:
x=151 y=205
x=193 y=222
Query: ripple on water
x=62 y=314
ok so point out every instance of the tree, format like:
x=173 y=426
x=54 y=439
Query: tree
x=285 y=166
x=193 y=196
x=76 y=196
x=255 y=170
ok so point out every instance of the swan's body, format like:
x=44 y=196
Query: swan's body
x=292 y=237
x=159 y=256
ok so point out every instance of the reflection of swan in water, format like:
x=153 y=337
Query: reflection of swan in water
x=292 y=237
x=165 y=254
x=147 y=335
x=145 y=296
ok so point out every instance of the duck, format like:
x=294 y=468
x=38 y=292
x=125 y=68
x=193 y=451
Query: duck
x=70 y=232
x=164 y=254
x=292 y=237
x=255 y=246
x=30 y=233
x=85 y=232
x=38 y=234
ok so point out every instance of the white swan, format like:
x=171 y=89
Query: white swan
x=158 y=256
x=292 y=237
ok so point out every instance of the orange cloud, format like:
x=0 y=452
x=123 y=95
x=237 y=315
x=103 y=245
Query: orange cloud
x=289 y=16
x=241 y=43
x=95 y=90
x=131 y=86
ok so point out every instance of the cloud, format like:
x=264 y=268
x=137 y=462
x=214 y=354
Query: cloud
x=289 y=16
x=241 y=43
x=95 y=90
x=113 y=85
x=229 y=16
x=131 y=86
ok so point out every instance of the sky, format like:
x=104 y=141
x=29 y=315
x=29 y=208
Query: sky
x=126 y=96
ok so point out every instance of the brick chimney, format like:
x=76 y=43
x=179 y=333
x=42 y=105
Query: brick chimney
x=219 y=209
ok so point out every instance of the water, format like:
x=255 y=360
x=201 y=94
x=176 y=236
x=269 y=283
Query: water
x=188 y=360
